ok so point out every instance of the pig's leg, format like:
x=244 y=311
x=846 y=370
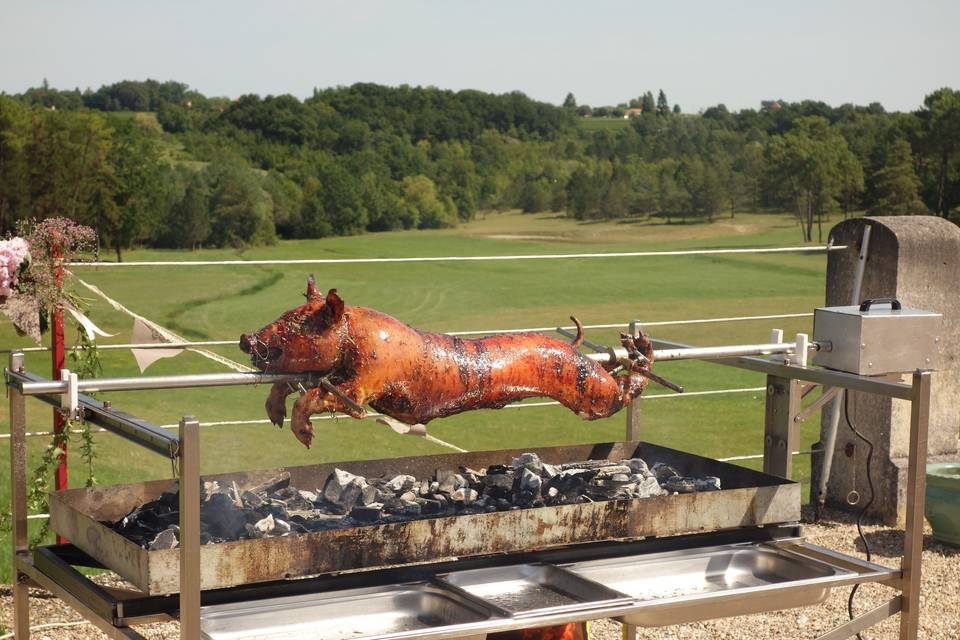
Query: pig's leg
x=277 y=403
x=318 y=400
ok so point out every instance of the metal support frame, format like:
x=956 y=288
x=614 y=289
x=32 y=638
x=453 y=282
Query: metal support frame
x=189 y=528
x=18 y=503
x=782 y=410
x=781 y=426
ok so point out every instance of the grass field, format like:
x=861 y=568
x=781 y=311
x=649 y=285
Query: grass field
x=221 y=302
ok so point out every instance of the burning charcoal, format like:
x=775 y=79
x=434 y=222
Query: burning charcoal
x=281 y=527
x=408 y=496
x=663 y=472
x=567 y=486
x=502 y=504
x=430 y=507
x=707 y=483
x=401 y=483
x=222 y=518
x=309 y=496
x=679 y=484
x=451 y=482
x=166 y=539
x=497 y=469
x=529 y=481
x=464 y=495
x=171 y=497
x=548 y=471
x=251 y=500
x=367 y=513
x=211 y=487
x=613 y=470
x=638 y=466
x=264 y=527
x=497 y=485
x=272 y=485
x=369 y=495
x=434 y=487
x=529 y=461
x=343 y=489
x=649 y=487
x=411 y=509
x=276 y=508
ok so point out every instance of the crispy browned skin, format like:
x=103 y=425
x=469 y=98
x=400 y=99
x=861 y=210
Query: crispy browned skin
x=416 y=376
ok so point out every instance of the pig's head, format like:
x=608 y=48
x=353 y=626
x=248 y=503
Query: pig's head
x=305 y=339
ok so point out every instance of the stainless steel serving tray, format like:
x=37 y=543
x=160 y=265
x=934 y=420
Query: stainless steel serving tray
x=714 y=582
x=655 y=589
x=397 y=612
x=526 y=590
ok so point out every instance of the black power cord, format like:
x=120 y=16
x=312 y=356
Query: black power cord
x=863 y=511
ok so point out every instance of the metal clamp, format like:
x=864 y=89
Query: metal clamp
x=70 y=399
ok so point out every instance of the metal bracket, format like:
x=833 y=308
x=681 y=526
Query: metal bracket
x=70 y=400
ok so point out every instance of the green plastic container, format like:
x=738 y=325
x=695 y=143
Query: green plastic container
x=943 y=502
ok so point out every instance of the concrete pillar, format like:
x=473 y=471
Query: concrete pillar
x=915 y=259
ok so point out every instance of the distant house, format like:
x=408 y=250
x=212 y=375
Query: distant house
x=633 y=112
x=771 y=105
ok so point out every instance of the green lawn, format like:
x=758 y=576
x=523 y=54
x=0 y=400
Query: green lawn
x=222 y=302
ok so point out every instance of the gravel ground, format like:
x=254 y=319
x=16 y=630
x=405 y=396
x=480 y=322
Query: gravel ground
x=939 y=600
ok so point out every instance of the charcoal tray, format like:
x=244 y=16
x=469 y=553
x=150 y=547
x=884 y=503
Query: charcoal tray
x=748 y=498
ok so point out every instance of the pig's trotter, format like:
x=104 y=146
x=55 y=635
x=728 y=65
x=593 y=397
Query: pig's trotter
x=300 y=419
x=276 y=404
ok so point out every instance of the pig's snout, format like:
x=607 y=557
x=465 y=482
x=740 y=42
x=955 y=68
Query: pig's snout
x=248 y=342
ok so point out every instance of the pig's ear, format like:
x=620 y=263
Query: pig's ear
x=312 y=292
x=332 y=311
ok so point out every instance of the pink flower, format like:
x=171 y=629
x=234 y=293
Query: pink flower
x=12 y=253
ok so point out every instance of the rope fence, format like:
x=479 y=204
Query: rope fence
x=536 y=256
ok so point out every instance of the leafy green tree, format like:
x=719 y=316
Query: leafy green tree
x=897 y=184
x=676 y=109
x=241 y=211
x=941 y=141
x=15 y=128
x=569 y=102
x=804 y=163
x=425 y=205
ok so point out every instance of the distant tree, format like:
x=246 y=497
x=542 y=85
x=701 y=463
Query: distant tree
x=897 y=184
x=805 y=164
x=241 y=211
x=584 y=110
x=941 y=142
x=535 y=196
x=570 y=102
x=851 y=181
x=663 y=107
x=676 y=108
x=421 y=199
x=647 y=103
x=139 y=187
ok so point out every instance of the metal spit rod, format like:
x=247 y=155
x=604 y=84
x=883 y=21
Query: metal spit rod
x=33 y=388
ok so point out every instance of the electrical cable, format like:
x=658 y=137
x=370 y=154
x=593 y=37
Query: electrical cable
x=863 y=511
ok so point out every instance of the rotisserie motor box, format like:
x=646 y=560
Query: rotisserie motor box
x=878 y=337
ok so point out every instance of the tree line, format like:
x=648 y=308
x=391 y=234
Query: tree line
x=160 y=164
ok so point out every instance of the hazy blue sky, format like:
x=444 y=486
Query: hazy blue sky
x=700 y=53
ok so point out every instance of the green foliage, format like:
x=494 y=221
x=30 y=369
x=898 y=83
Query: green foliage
x=897 y=184
x=214 y=172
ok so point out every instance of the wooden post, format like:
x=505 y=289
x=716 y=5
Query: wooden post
x=916 y=486
x=18 y=502
x=189 y=457
x=781 y=429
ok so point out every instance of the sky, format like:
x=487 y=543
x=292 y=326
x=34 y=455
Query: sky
x=699 y=53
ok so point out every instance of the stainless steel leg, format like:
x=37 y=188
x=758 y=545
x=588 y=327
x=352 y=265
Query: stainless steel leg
x=916 y=486
x=189 y=455
x=18 y=503
x=633 y=433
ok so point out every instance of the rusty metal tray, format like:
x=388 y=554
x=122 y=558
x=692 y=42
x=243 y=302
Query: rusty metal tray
x=748 y=498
